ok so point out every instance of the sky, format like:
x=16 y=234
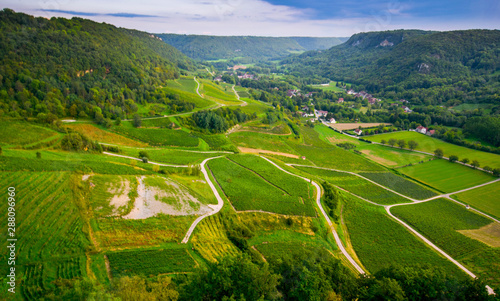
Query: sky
x=318 y=18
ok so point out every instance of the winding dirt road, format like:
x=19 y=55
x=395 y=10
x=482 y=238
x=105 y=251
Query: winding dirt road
x=338 y=241
x=216 y=208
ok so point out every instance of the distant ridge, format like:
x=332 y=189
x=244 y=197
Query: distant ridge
x=206 y=47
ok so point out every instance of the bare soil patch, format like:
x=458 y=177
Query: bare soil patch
x=263 y=151
x=378 y=159
x=489 y=234
x=352 y=126
x=336 y=140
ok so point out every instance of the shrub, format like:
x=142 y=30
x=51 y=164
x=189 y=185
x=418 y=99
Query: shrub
x=38 y=155
x=143 y=154
x=453 y=158
x=144 y=160
x=438 y=153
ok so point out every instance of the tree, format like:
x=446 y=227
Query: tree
x=453 y=158
x=1 y=151
x=496 y=172
x=475 y=164
x=39 y=155
x=401 y=143
x=118 y=121
x=465 y=160
x=412 y=144
x=392 y=142
x=487 y=168
x=143 y=154
x=144 y=160
x=438 y=153
x=383 y=141
x=137 y=121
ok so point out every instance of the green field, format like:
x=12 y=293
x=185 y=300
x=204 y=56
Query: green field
x=261 y=141
x=249 y=191
x=356 y=185
x=19 y=133
x=440 y=220
x=380 y=242
x=158 y=137
x=483 y=198
x=400 y=184
x=429 y=144
x=151 y=262
x=217 y=93
x=446 y=176
x=169 y=156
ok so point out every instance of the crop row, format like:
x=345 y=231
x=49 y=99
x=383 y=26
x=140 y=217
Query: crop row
x=158 y=136
x=400 y=185
x=356 y=185
x=292 y=185
x=381 y=242
x=248 y=191
x=150 y=262
x=210 y=239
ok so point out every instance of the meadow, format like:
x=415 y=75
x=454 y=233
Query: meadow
x=483 y=198
x=170 y=156
x=356 y=185
x=261 y=141
x=388 y=157
x=440 y=220
x=429 y=144
x=446 y=176
x=151 y=262
x=248 y=191
x=380 y=242
x=400 y=184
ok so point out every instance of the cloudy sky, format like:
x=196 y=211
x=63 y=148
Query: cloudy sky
x=330 y=18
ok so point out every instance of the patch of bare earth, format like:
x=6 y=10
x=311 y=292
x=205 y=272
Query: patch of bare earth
x=263 y=151
x=378 y=159
x=149 y=202
x=120 y=197
x=352 y=126
x=336 y=140
x=489 y=234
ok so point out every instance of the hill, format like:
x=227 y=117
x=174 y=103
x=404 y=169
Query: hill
x=202 y=47
x=405 y=63
x=60 y=66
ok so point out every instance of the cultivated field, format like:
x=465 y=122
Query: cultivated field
x=446 y=176
x=484 y=198
x=440 y=221
x=400 y=184
x=97 y=134
x=158 y=137
x=380 y=242
x=248 y=190
x=18 y=133
x=429 y=144
x=356 y=185
x=352 y=126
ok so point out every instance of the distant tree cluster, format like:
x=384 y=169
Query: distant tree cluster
x=220 y=120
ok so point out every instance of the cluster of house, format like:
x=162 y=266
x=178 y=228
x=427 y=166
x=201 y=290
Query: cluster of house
x=407 y=109
x=358 y=131
x=246 y=76
x=423 y=130
x=371 y=100
x=292 y=93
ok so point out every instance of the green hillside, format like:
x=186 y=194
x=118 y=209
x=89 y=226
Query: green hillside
x=202 y=47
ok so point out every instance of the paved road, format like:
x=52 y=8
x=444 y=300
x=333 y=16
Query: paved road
x=216 y=208
x=338 y=241
x=149 y=162
x=197 y=88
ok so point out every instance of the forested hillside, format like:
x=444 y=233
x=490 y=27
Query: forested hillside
x=422 y=67
x=203 y=47
x=78 y=67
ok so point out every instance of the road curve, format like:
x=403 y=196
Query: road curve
x=197 y=88
x=338 y=241
x=216 y=208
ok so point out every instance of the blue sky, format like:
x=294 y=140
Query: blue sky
x=273 y=17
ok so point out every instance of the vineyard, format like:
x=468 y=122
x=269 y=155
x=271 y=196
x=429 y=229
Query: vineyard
x=170 y=156
x=97 y=134
x=440 y=220
x=248 y=191
x=291 y=184
x=400 y=184
x=210 y=239
x=151 y=262
x=380 y=241
x=274 y=252
x=356 y=185
x=446 y=176
x=46 y=216
x=22 y=133
x=158 y=137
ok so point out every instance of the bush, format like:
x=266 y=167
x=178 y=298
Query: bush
x=144 y=160
x=453 y=158
x=38 y=155
x=143 y=154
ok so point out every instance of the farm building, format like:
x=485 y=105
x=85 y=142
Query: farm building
x=420 y=129
x=358 y=131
